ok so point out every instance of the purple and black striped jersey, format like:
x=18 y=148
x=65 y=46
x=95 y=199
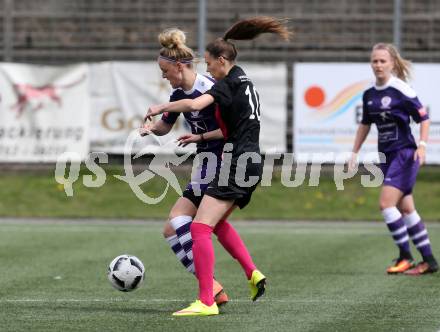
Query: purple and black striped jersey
x=201 y=121
x=390 y=107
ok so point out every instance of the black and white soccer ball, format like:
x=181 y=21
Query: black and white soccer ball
x=126 y=273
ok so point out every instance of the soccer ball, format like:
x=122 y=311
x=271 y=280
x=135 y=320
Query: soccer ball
x=126 y=273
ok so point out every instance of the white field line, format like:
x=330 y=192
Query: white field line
x=35 y=225
x=155 y=301
x=149 y=222
x=132 y=223
x=264 y=230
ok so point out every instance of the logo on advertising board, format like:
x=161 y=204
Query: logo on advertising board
x=315 y=98
x=35 y=98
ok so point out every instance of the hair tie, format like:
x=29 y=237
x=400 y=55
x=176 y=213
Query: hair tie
x=184 y=61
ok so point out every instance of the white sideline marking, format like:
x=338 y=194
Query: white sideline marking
x=44 y=225
x=155 y=300
x=85 y=229
x=115 y=300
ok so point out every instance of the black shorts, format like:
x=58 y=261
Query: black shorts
x=229 y=189
x=195 y=199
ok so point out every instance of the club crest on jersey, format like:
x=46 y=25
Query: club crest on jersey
x=386 y=102
x=195 y=114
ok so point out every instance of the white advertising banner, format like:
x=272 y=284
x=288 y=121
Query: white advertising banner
x=328 y=108
x=122 y=91
x=44 y=112
x=120 y=95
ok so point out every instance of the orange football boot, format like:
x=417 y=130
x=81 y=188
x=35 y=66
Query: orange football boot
x=401 y=266
x=220 y=296
x=422 y=268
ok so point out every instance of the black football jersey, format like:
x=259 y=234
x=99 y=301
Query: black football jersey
x=239 y=109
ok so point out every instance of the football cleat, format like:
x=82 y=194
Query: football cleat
x=422 y=268
x=257 y=284
x=198 y=309
x=220 y=296
x=401 y=266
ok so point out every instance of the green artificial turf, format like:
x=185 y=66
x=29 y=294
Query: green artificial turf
x=321 y=277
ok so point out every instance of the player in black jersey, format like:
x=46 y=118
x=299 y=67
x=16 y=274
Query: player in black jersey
x=239 y=115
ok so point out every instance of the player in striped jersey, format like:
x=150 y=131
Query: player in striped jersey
x=390 y=104
x=176 y=63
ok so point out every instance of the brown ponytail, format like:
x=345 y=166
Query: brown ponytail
x=252 y=27
x=244 y=30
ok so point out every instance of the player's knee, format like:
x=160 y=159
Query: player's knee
x=168 y=230
x=384 y=204
x=174 y=214
x=406 y=210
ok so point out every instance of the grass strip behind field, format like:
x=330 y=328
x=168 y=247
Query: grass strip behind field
x=39 y=195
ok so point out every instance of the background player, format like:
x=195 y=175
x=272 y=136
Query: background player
x=240 y=113
x=389 y=104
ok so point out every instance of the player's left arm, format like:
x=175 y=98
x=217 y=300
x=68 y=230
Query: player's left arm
x=420 y=115
x=421 y=147
x=183 y=105
x=184 y=140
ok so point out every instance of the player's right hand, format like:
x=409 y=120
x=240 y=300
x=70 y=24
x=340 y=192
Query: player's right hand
x=153 y=111
x=146 y=129
x=353 y=161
